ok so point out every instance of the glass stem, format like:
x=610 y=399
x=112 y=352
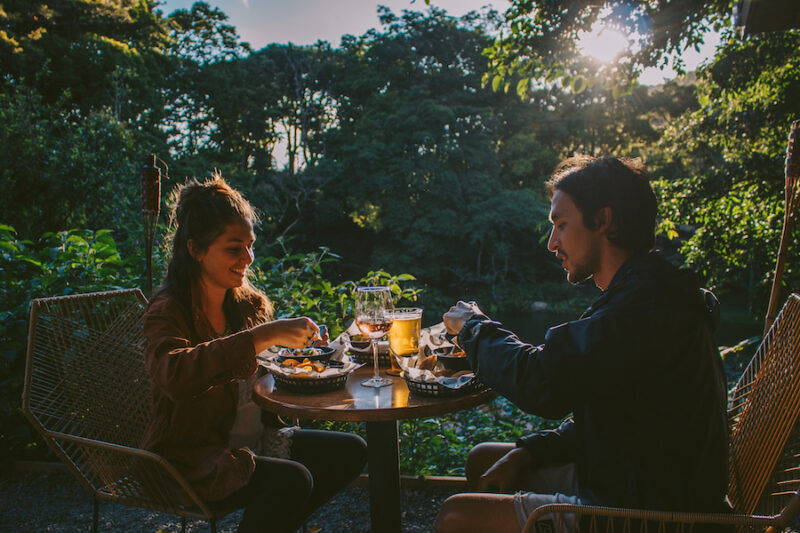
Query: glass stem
x=375 y=358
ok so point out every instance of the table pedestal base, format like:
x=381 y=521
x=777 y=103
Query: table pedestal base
x=384 y=476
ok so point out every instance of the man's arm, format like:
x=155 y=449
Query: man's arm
x=546 y=448
x=542 y=380
x=553 y=446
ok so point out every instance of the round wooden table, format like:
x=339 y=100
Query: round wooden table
x=380 y=409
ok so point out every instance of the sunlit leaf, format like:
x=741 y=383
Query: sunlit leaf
x=496 y=83
x=578 y=84
x=522 y=87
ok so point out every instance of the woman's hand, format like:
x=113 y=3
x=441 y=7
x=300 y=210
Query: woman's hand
x=289 y=332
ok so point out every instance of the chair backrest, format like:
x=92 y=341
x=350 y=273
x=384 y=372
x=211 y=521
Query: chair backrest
x=764 y=458
x=87 y=392
x=85 y=372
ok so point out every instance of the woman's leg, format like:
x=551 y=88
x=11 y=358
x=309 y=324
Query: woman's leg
x=333 y=458
x=275 y=499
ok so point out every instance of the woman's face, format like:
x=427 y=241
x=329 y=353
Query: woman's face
x=224 y=264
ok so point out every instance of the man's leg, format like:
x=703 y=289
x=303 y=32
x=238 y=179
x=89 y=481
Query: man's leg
x=465 y=513
x=502 y=513
x=482 y=457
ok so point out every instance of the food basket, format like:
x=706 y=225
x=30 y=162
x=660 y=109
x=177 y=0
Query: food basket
x=309 y=384
x=324 y=380
x=365 y=357
x=436 y=389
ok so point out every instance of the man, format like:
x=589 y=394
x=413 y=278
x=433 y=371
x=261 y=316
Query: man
x=639 y=372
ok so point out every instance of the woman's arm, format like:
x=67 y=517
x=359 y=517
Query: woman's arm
x=183 y=369
x=289 y=332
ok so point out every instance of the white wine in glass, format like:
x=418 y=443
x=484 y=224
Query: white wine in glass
x=374 y=318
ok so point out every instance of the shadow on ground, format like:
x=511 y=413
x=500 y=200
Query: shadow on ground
x=52 y=501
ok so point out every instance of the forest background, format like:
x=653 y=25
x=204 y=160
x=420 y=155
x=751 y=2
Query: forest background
x=413 y=155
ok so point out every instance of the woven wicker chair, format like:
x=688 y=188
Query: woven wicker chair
x=764 y=451
x=87 y=392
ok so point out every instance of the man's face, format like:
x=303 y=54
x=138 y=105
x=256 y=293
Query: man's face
x=575 y=245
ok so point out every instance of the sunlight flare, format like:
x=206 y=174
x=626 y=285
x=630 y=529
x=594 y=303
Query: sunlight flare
x=602 y=43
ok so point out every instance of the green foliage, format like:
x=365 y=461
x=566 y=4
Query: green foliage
x=731 y=234
x=296 y=284
x=418 y=178
x=439 y=446
x=58 y=263
x=539 y=40
x=60 y=168
x=722 y=165
x=100 y=56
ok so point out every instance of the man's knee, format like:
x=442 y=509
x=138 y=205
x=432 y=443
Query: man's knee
x=481 y=457
x=469 y=512
x=451 y=516
x=474 y=465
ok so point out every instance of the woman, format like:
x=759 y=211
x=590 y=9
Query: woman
x=203 y=330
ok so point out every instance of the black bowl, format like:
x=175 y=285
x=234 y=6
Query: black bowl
x=454 y=363
x=360 y=342
x=320 y=353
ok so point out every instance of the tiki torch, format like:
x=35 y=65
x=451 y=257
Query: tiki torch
x=151 y=205
x=792 y=197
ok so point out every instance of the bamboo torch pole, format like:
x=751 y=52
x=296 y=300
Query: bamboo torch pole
x=792 y=197
x=151 y=204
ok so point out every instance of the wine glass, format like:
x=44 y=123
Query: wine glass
x=374 y=318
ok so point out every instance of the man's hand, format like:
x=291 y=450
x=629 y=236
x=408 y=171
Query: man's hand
x=457 y=316
x=505 y=475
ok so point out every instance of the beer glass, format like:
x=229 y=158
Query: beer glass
x=404 y=335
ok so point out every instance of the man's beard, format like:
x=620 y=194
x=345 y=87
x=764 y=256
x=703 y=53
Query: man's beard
x=579 y=276
x=581 y=272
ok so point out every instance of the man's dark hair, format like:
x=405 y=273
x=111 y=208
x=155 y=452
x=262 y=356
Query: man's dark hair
x=621 y=184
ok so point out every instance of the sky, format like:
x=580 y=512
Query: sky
x=302 y=22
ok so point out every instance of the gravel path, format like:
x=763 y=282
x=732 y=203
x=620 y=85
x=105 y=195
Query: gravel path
x=54 y=501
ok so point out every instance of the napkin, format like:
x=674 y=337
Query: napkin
x=427 y=376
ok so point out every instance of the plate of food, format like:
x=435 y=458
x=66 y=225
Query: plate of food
x=439 y=372
x=452 y=359
x=360 y=343
x=443 y=386
x=309 y=375
x=318 y=353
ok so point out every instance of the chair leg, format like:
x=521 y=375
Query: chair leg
x=95 y=513
x=183 y=524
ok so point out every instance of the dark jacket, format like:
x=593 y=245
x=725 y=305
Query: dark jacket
x=642 y=377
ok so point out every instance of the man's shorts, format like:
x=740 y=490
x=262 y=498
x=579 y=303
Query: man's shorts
x=558 y=484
